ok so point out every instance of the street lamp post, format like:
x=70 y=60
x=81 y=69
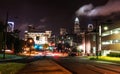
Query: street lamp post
x=5 y=35
x=96 y=33
x=30 y=45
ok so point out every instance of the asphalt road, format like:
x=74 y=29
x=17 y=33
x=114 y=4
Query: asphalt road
x=77 y=65
x=80 y=65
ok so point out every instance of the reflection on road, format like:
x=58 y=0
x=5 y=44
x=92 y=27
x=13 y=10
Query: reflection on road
x=46 y=53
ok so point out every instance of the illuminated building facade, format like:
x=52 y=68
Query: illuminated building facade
x=111 y=38
x=89 y=42
x=108 y=42
x=77 y=26
x=39 y=38
x=10 y=27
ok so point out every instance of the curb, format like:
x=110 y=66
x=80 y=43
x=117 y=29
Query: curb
x=13 y=59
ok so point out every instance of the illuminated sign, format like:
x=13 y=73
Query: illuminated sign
x=10 y=27
x=90 y=27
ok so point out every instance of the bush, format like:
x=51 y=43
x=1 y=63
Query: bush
x=114 y=54
x=93 y=58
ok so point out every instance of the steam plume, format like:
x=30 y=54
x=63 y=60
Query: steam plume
x=113 y=6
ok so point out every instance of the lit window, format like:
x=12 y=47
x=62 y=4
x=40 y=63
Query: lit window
x=106 y=33
x=107 y=42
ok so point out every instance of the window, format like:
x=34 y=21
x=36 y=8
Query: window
x=37 y=37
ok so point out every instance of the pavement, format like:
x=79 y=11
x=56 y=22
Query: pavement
x=45 y=66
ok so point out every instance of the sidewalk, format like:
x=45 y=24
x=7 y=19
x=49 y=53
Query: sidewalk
x=44 y=67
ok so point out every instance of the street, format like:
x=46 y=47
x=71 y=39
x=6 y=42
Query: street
x=80 y=65
x=76 y=64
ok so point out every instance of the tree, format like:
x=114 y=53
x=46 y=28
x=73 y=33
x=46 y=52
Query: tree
x=10 y=40
x=2 y=26
x=17 y=43
x=59 y=47
x=1 y=35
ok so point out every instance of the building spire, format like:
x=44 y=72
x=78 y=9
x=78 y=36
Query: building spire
x=77 y=26
x=76 y=20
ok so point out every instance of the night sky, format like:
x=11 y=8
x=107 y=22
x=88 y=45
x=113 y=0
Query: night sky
x=46 y=14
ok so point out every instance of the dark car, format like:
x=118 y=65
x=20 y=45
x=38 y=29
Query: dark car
x=73 y=52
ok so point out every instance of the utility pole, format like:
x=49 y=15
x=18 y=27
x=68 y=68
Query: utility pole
x=5 y=35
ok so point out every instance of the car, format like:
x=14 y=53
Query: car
x=72 y=53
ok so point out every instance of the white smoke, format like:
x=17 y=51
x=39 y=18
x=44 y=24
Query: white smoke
x=84 y=10
x=112 y=6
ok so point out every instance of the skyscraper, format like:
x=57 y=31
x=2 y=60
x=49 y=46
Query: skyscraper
x=77 y=26
x=10 y=27
x=63 y=31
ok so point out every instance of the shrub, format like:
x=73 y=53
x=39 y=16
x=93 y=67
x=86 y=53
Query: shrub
x=112 y=54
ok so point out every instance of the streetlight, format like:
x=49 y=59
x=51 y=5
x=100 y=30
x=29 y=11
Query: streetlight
x=105 y=28
x=30 y=42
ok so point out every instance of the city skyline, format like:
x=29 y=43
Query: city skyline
x=45 y=14
x=59 y=36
